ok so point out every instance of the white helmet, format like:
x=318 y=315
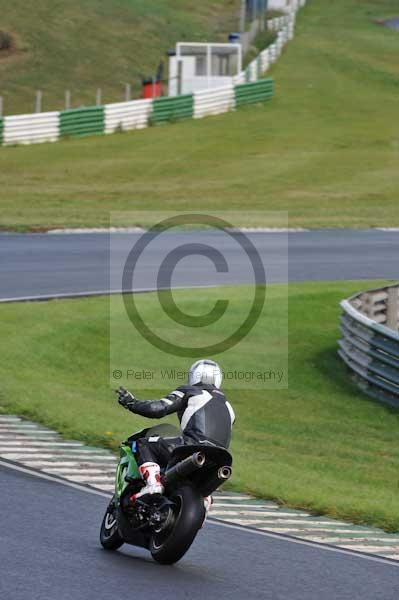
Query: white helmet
x=205 y=371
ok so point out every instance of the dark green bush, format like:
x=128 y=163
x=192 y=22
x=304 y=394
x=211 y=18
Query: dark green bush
x=6 y=41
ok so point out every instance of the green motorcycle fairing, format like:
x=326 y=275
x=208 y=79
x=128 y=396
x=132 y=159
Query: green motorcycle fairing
x=127 y=467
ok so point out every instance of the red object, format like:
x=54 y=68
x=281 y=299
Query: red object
x=152 y=89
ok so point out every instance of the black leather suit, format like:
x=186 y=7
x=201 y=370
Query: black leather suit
x=205 y=415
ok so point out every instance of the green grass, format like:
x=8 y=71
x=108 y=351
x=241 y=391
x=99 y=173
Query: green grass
x=319 y=444
x=82 y=46
x=326 y=149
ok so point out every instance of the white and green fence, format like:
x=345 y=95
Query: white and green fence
x=249 y=87
x=127 y=116
x=284 y=27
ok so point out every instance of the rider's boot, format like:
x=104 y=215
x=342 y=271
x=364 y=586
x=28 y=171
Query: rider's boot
x=151 y=473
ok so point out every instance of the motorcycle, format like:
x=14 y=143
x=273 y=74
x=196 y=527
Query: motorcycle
x=167 y=524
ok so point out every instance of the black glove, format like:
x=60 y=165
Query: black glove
x=125 y=398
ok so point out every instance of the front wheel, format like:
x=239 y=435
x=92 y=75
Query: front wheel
x=168 y=546
x=110 y=537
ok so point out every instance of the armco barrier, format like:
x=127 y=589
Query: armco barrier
x=213 y=102
x=279 y=22
x=252 y=93
x=265 y=61
x=172 y=109
x=125 y=116
x=240 y=78
x=30 y=129
x=370 y=342
x=82 y=121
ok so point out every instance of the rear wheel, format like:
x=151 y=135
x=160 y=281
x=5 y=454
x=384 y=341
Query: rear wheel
x=110 y=537
x=170 y=544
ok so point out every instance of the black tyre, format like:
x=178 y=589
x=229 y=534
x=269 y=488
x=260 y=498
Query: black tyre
x=167 y=547
x=109 y=535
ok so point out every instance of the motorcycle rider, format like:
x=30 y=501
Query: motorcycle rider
x=205 y=415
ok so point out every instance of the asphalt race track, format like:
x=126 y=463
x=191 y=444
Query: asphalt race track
x=49 y=546
x=45 y=264
x=49 y=550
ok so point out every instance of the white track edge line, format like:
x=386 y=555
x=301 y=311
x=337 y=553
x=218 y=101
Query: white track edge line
x=212 y=521
x=293 y=540
x=141 y=230
x=53 y=478
x=89 y=294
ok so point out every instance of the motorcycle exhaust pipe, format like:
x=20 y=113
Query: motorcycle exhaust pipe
x=224 y=473
x=220 y=477
x=184 y=468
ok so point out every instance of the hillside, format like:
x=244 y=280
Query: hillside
x=81 y=46
x=325 y=149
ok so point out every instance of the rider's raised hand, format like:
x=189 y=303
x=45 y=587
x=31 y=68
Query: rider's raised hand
x=124 y=397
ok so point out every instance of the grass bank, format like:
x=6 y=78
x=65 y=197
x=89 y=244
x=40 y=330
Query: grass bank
x=82 y=46
x=325 y=149
x=319 y=444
